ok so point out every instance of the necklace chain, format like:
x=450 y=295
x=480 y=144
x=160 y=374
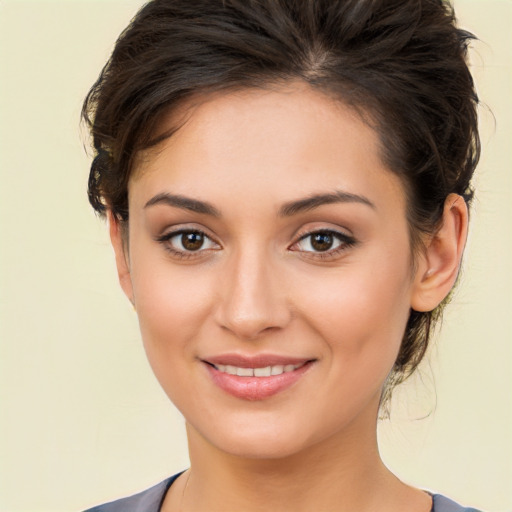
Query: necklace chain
x=184 y=491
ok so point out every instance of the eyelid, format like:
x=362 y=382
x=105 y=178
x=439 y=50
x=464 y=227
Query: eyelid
x=167 y=236
x=174 y=234
x=178 y=229
x=342 y=234
x=346 y=240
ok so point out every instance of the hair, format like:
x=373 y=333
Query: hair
x=399 y=63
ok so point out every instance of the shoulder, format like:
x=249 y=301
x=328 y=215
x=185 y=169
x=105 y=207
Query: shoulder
x=149 y=500
x=443 y=504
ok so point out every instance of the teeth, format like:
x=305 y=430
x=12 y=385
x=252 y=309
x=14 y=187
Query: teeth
x=245 y=372
x=276 y=370
x=263 y=372
x=230 y=369
x=267 y=371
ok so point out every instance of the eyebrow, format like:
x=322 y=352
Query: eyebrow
x=185 y=203
x=316 y=200
x=287 y=210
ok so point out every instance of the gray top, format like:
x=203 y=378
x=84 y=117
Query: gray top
x=151 y=501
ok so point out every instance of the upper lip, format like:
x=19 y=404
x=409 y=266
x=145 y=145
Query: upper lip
x=255 y=361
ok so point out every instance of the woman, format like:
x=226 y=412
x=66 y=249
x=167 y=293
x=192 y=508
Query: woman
x=287 y=187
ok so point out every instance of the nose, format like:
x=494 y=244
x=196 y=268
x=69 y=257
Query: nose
x=253 y=296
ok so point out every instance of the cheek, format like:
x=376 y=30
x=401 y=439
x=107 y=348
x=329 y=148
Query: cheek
x=361 y=315
x=172 y=307
x=362 y=325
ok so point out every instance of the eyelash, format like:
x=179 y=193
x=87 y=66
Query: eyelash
x=165 y=239
x=346 y=242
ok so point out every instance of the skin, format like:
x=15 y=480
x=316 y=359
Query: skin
x=258 y=285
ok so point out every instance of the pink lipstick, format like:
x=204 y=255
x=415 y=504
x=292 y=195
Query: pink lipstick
x=255 y=377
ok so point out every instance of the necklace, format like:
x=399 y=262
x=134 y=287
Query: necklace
x=184 y=490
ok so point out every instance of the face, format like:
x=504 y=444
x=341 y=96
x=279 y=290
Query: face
x=270 y=265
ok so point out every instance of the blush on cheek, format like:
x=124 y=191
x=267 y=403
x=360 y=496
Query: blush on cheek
x=168 y=296
x=360 y=321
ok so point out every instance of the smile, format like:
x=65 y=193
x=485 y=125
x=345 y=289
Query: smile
x=256 y=378
x=266 y=371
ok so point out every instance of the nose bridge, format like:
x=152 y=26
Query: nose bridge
x=253 y=299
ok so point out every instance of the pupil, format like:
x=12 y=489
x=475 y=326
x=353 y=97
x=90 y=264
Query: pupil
x=322 y=241
x=192 y=241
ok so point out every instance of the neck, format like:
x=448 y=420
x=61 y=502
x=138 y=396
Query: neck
x=342 y=473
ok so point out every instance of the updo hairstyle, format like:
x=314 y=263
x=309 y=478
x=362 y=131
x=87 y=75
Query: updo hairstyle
x=401 y=64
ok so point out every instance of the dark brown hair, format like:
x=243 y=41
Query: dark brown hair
x=400 y=63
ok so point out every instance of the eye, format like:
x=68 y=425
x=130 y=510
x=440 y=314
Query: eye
x=184 y=243
x=324 y=243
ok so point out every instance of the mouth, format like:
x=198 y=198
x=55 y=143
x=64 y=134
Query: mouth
x=265 y=371
x=256 y=378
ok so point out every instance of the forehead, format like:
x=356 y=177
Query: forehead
x=291 y=140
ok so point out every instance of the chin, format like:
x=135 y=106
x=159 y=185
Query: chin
x=261 y=447
x=258 y=439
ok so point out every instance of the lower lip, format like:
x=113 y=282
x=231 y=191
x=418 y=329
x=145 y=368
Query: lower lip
x=256 y=388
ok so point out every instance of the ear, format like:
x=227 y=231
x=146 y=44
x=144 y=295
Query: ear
x=121 y=253
x=440 y=261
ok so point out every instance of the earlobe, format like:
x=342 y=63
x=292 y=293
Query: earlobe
x=440 y=261
x=121 y=255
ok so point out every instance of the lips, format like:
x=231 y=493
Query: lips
x=255 y=377
x=265 y=371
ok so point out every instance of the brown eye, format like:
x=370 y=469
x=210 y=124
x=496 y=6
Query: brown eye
x=186 y=242
x=192 y=241
x=322 y=241
x=328 y=242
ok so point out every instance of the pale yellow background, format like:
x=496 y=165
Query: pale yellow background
x=82 y=418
